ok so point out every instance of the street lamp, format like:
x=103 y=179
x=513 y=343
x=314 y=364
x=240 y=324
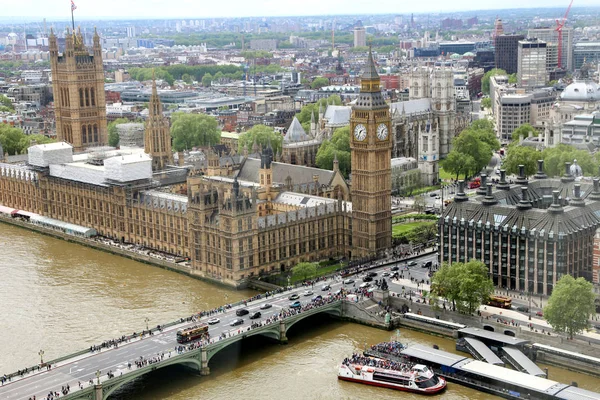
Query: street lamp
x=147 y=320
x=41 y=354
x=98 y=373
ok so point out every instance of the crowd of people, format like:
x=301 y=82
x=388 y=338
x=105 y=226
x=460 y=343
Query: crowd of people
x=392 y=348
x=358 y=359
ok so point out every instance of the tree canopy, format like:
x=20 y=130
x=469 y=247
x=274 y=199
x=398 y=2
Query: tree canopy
x=521 y=155
x=5 y=103
x=192 y=130
x=304 y=270
x=570 y=305
x=14 y=141
x=319 y=82
x=485 y=81
x=304 y=114
x=339 y=146
x=556 y=157
x=523 y=131
x=260 y=134
x=486 y=103
x=113 y=134
x=472 y=149
x=465 y=285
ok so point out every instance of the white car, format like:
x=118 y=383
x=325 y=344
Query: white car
x=308 y=293
x=213 y=321
x=349 y=281
x=364 y=285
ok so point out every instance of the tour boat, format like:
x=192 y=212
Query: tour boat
x=419 y=379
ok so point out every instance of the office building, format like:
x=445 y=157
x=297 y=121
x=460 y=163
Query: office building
x=506 y=52
x=550 y=36
x=531 y=64
x=360 y=36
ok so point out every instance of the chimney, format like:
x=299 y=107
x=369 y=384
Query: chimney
x=521 y=179
x=481 y=190
x=180 y=158
x=461 y=196
x=577 y=201
x=555 y=207
x=596 y=193
x=525 y=203
x=567 y=177
x=503 y=185
x=489 y=199
x=540 y=172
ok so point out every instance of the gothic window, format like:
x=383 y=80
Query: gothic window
x=89 y=131
x=416 y=89
x=439 y=90
x=93 y=96
x=83 y=134
x=95 y=133
x=87 y=97
x=80 y=97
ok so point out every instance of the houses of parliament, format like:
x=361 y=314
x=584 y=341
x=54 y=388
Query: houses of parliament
x=231 y=224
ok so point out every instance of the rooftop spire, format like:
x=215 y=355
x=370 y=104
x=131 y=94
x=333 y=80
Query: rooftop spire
x=370 y=71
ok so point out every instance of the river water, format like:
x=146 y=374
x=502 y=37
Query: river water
x=60 y=297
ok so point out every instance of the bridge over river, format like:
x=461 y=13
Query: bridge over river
x=91 y=368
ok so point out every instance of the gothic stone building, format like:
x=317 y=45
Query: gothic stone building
x=529 y=234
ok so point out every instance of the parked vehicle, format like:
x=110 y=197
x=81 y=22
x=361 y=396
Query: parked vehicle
x=242 y=311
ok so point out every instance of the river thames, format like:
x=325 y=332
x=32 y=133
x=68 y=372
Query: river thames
x=60 y=297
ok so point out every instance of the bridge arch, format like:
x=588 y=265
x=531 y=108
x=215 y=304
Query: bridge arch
x=109 y=387
x=488 y=328
x=337 y=312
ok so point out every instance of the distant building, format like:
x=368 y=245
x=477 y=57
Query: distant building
x=131 y=31
x=531 y=68
x=586 y=52
x=506 y=52
x=550 y=36
x=360 y=36
x=263 y=44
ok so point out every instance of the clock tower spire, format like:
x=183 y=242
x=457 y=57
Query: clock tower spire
x=371 y=148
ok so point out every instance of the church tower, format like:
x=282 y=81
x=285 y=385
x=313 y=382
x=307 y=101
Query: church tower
x=78 y=87
x=371 y=148
x=157 y=136
x=443 y=103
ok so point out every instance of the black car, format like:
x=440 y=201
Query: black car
x=326 y=288
x=372 y=274
x=236 y=322
x=242 y=311
x=367 y=279
x=256 y=315
x=265 y=306
x=395 y=268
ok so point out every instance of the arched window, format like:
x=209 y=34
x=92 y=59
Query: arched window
x=95 y=133
x=439 y=90
x=90 y=138
x=80 y=97
x=87 y=97
x=93 y=96
x=83 y=132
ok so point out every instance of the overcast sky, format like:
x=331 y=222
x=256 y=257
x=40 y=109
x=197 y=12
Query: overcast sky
x=199 y=9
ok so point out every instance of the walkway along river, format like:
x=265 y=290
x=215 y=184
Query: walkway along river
x=60 y=298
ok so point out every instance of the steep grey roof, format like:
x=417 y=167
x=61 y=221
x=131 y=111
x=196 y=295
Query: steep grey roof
x=299 y=173
x=370 y=71
x=295 y=133
x=412 y=106
x=338 y=115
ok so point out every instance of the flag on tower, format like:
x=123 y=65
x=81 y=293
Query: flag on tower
x=73 y=6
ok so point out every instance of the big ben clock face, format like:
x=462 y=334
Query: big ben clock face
x=382 y=132
x=360 y=132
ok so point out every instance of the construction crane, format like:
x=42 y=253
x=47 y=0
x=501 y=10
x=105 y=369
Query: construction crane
x=559 y=27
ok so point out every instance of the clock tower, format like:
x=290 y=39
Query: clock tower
x=371 y=147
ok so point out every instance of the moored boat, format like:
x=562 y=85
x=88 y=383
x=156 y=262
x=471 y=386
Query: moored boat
x=417 y=379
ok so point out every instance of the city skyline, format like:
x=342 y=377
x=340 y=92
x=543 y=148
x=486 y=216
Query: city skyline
x=138 y=9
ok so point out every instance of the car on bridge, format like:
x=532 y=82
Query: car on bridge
x=265 y=306
x=394 y=268
x=365 y=285
x=326 y=288
x=256 y=315
x=213 y=321
x=294 y=297
x=427 y=264
x=412 y=263
x=317 y=298
x=367 y=279
x=236 y=322
x=307 y=293
x=242 y=311
x=296 y=304
x=349 y=281
x=372 y=274
x=385 y=274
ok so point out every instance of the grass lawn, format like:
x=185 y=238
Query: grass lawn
x=321 y=271
x=403 y=228
x=448 y=176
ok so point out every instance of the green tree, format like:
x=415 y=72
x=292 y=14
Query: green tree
x=187 y=78
x=570 y=305
x=419 y=203
x=113 y=133
x=485 y=81
x=14 y=141
x=262 y=135
x=469 y=143
x=207 y=80
x=458 y=164
x=338 y=146
x=521 y=155
x=304 y=114
x=191 y=130
x=486 y=103
x=465 y=285
x=5 y=102
x=304 y=270
x=556 y=157
x=523 y=131
x=423 y=233
x=512 y=78
x=319 y=82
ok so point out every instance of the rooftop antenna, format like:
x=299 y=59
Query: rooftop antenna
x=73 y=8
